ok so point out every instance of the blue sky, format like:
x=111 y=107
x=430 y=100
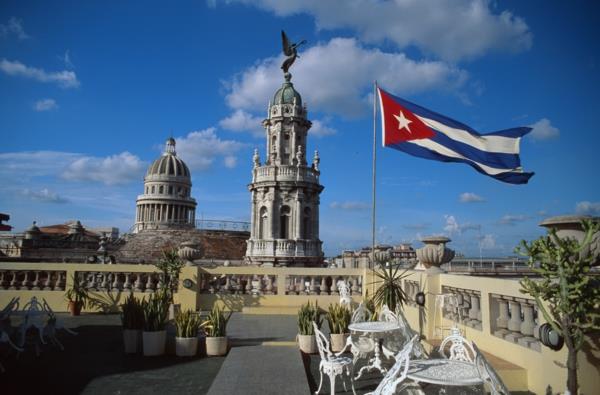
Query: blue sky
x=89 y=91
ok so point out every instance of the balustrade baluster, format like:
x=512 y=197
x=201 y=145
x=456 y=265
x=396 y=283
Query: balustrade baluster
x=117 y=285
x=324 y=288
x=48 y=282
x=302 y=287
x=334 y=289
x=514 y=324
x=475 y=312
x=25 y=283
x=313 y=286
x=355 y=287
x=61 y=282
x=269 y=285
x=248 y=284
x=104 y=283
x=502 y=320
x=36 y=281
x=528 y=325
x=256 y=285
x=127 y=284
x=139 y=285
x=13 y=281
x=149 y=283
x=2 y=281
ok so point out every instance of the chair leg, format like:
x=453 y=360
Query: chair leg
x=320 y=381
x=332 y=383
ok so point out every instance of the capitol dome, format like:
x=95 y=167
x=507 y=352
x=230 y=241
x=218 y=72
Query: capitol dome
x=287 y=94
x=169 y=164
x=166 y=202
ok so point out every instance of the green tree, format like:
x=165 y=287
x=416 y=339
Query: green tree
x=571 y=294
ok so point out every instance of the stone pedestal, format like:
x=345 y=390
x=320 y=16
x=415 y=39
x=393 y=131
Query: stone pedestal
x=434 y=254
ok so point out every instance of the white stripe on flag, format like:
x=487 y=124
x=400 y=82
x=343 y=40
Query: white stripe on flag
x=442 y=150
x=499 y=144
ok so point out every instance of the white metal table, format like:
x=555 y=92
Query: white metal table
x=375 y=329
x=444 y=372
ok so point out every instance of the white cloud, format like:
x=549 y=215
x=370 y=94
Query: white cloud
x=27 y=164
x=469 y=197
x=327 y=83
x=452 y=30
x=487 y=242
x=230 y=162
x=45 y=105
x=199 y=149
x=320 y=129
x=66 y=58
x=111 y=170
x=242 y=121
x=350 y=206
x=543 y=130
x=64 y=79
x=453 y=227
x=513 y=219
x=43 y=195
x=13 y=26
x=588 y=208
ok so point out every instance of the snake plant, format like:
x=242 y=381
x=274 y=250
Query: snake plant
x=306 y=315
x=187 y=324
x=338 y=318
x=215 y=324
x=132 y=313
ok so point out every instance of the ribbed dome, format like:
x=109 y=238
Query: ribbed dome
x=286 y=95
x=169 y=164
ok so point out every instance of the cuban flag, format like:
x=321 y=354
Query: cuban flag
x=420 y=132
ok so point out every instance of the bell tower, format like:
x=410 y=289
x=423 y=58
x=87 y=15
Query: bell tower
x=285 y=189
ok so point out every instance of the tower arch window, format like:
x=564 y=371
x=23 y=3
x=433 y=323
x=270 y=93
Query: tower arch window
x=170 y=190
x=160 y=189
x=306 y=224
x=153 y=189
x=284 y=222
x=262 y=224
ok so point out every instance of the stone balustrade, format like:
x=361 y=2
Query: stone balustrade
x=469 y=307
x=275 y=281
x=516 y=320
x=47 y=280
x=285 y=173
x=283 y=247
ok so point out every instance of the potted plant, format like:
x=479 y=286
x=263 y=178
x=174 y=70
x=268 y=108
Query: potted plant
x=170 y=266
x=338 y=318
x=132 y=318
x=156 y=311
x=187 y=324
x=389 y=282
x=77 y=296
x=306 y=333
x=215 y=327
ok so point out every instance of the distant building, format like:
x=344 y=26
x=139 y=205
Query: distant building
x=401 y=254
x=166 y=202
x=4 y=227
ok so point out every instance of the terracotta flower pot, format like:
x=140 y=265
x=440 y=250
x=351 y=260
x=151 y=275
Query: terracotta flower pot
x=186 y=346
x=338 y=341
x=154 y=343
x=74 y=307
x=132 y=339
x=216 y=346
x=307 y=344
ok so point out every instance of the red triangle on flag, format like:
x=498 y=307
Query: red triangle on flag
x=399 y=124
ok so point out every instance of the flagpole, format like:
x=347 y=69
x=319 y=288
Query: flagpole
x=374 y=177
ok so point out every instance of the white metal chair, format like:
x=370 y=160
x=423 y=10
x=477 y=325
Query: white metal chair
x=53 y=324
x=459 y=348
x=398 y=372
x=488 y=374
x=331 y=364
x=361 y=347
x=418 y=350
x=5 y=327
x=344 y=290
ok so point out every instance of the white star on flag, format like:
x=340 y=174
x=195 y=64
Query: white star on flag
x=403 y=122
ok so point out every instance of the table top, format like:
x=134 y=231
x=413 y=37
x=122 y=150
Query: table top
x=444 y=372
x=374 y=326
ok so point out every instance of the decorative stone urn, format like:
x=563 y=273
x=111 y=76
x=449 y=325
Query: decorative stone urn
x=569 y=226
x=188 y=251
x=434 y=253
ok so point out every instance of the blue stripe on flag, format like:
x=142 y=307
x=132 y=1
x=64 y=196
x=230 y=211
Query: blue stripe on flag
x=492 y=159
x=512 y=177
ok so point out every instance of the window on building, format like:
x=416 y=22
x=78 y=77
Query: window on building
x=170 y=190
x=262 y=224
x=284 y=223
x=153 y=189
x=306 y=224
x=146 y=190
x=160 y=189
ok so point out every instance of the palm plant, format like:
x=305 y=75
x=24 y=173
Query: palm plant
x=187 y=324
x=170 y=266
x=306 y=315
x=215 y=324
x=78 y=293
x=389 y=291
x=338 y=318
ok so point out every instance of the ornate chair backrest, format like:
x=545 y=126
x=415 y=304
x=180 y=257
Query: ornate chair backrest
x=387 y=315
x=418 y=349
x=488 y=374
x=361 y=314
x=398 y=372
x=344 y=290
x=460 y=348
x=322 y=344
x=13 y=305
x=33 y=305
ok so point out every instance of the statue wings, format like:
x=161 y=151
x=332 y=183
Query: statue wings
x=288 y=49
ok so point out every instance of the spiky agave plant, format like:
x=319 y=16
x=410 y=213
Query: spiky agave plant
x=215 y=324
x=338 y=318
x=306 y=315
x=187 y=324
x=389 y=282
